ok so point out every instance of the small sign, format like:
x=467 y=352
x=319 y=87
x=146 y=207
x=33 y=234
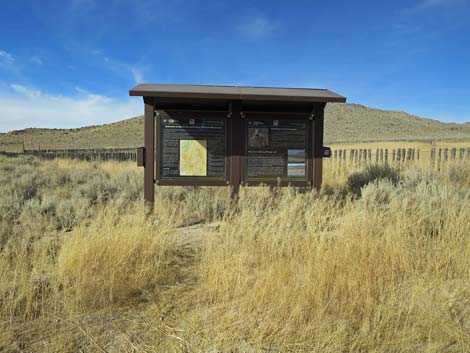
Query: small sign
x=192 y=147
x=275 y=149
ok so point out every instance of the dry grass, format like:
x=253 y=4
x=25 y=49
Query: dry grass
x=283 y=270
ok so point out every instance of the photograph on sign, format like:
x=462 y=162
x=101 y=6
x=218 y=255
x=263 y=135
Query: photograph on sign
x=192 y=146
x=275 y=148
x=296 y=163
x=193 y=158
x=258 y=137
x=296 y=156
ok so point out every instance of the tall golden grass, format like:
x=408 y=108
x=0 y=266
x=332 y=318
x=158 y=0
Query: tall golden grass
x=282 y=270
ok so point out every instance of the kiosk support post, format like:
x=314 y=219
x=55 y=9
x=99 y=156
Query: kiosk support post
x=149 y=142
x=317 y=147
x=236 y=151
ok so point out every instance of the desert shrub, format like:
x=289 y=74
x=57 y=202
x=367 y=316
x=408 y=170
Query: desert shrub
x=357 y=180
x=97 y=188
x=207 y=204
x=410 y=178
x=459 y=173
x=128 y=184
x=378 y=194
x=27 y=186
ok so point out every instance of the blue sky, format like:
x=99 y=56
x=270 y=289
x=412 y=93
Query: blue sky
x=71 y=63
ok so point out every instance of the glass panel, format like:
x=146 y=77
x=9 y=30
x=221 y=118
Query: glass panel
x=276 y=148
x=192 y=147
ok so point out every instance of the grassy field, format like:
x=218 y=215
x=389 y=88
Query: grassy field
x=378 y=261
x=344 y=123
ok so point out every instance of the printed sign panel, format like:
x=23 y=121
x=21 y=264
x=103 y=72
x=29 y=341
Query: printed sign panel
x=192 y=147
x=276 y=148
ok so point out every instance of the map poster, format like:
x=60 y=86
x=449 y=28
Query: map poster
x=193 y=158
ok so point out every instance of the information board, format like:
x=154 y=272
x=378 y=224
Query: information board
x=192 y=147
x=276 y=148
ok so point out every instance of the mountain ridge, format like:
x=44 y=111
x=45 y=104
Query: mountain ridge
x=344 y=123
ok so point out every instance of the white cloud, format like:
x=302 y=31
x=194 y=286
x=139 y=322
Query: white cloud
x=121 y=69
x=25 y=91
x=137 y=75
x=6 y=57
x=36 y=60
x=27 y=107
x=424 y=5
x=256 y=27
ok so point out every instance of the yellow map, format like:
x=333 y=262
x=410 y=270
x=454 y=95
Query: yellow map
x=193 y=157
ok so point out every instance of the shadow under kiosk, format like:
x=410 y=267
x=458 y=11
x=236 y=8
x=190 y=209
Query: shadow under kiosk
x=199 y=135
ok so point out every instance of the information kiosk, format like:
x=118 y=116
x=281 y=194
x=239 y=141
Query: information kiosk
x=231 y=136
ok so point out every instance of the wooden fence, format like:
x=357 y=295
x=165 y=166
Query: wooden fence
x=400 y=155
x=103 y=154
x=380 y=155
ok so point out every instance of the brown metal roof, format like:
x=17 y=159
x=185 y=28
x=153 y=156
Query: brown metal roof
x=236 y=92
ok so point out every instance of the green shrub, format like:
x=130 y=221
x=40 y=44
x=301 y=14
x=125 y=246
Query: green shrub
x=356 y=181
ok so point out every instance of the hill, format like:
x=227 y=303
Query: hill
x=343 y=123
x=357 y=123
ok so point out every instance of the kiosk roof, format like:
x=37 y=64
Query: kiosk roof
x=280 y=94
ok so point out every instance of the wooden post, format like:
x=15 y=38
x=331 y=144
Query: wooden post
x=433 y=156
x=149 y=143
x=317 y=145
x=236 y=148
